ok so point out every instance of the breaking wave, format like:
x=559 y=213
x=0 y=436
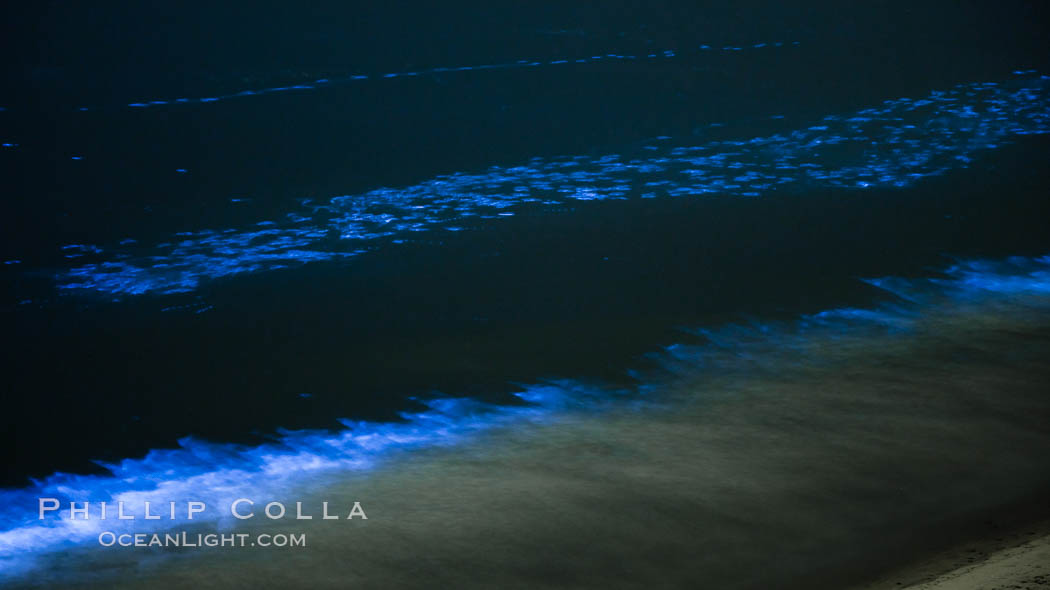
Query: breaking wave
x=893 y=145
x=218 y=473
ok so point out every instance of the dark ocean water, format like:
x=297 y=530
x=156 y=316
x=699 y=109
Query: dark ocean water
x=228 y=223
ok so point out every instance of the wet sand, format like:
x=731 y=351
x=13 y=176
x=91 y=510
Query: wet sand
x=816 y=459
x=1004 y=560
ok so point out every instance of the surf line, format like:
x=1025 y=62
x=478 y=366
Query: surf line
x=519 y=64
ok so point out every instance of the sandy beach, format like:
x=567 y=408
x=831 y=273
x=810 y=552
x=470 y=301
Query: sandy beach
x=1019 y=559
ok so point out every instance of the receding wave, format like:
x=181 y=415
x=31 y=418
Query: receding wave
x=895 y=144
x=957 y=309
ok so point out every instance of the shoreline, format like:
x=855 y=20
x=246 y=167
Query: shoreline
x=1017 y=557
x=798 y=460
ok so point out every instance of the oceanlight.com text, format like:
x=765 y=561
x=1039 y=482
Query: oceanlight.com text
x=195 y=540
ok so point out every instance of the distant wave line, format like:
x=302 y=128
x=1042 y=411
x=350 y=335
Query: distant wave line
x=348 y=79
x=522 y=63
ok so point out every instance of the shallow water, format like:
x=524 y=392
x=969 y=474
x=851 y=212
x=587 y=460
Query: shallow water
x=795 y=455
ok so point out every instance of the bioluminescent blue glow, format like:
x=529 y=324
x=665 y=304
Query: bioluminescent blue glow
x=892 y=145
x=220 y=473
x=981 y=282
x=330 y=82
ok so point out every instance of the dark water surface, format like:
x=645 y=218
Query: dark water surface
x=231 y=222
x=575 y=289
x=579 y=293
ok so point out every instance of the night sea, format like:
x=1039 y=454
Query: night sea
x=528 y=295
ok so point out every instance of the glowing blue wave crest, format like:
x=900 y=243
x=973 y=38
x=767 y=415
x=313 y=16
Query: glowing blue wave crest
x=219 y=473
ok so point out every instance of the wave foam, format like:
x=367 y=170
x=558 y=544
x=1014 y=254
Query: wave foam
x=893 y=145
x=219 y=473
